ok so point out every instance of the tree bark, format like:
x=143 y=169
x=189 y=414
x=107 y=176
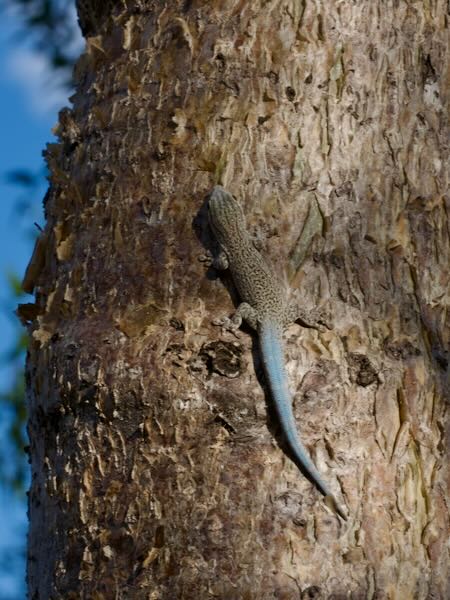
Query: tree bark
x=157 y=467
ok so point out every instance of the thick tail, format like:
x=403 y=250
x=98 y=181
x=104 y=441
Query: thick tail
x=273 y=358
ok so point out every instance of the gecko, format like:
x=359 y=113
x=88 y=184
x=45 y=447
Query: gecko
x=265 y=307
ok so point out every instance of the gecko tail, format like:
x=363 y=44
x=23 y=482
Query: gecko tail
x=334 y=505
x=273 y=359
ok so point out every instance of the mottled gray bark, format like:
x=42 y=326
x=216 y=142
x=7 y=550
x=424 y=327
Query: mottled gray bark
x=155 y=470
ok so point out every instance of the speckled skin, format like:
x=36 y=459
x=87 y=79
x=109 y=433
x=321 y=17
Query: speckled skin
x=264 y=297
x=266 y=309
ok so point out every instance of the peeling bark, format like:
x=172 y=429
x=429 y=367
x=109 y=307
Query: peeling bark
x=157 y=469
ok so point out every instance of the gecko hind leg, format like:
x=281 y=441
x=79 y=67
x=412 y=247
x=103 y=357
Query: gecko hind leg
x=312 y=318
x=244 y=312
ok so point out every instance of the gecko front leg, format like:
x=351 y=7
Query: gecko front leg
x=219 y=262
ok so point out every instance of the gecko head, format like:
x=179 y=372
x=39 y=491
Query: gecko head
x=225 y=215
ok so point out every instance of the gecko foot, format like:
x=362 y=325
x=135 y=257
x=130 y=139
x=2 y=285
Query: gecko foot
x=318 y=319
x=206 y=258
x=226 y=324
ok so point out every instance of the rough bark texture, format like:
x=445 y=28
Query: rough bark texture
x=155 y=470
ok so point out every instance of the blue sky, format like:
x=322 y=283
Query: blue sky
x=29 y=102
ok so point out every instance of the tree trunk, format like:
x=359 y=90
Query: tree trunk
x=157 y=468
